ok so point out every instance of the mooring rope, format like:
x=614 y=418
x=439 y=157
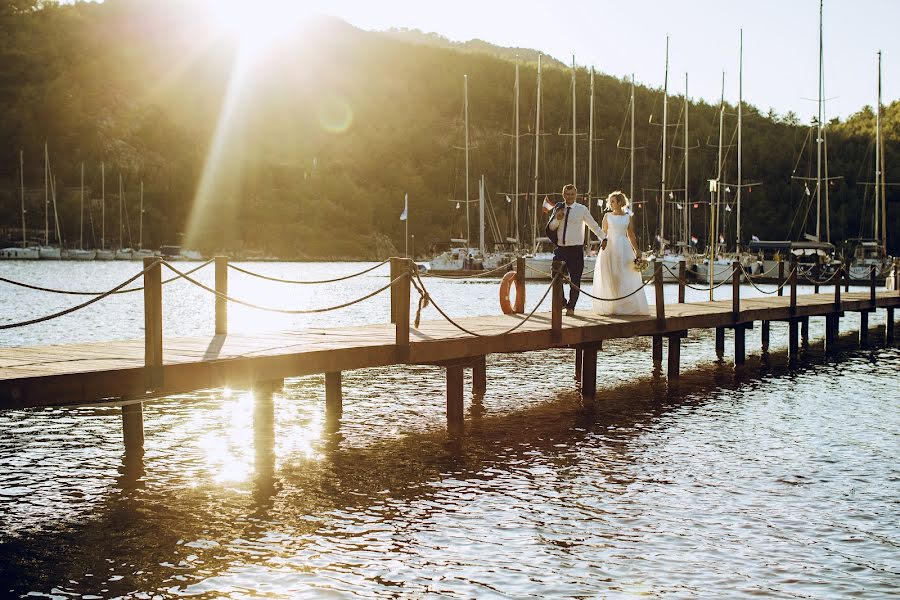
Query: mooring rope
x=279 y=280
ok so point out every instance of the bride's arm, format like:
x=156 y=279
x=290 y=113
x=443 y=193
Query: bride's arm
x=631 y=237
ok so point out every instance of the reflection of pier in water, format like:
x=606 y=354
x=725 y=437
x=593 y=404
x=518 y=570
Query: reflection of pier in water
x=99 y=372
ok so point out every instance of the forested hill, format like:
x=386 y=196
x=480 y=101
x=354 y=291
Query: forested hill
x=307 y=150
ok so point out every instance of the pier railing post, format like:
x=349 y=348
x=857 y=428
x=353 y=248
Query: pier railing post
x=846 y=279
x=816 y=273
x=682 y=282
x=872 y=276
x=520 y=285
x=221 y=291
x=793 y=276
x=660 y=297
x=400 y=301
x=153 y=340
x=781 y=277
x=837 y=288
x=556 y=306
x=736 y=290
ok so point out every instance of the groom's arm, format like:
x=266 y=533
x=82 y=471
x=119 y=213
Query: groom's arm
x=593 y=225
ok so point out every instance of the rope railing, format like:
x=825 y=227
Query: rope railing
x=764 y=273
x=474 y=275
x=716 y=286
x=425 y=299
x=786 y=281
x=283 y=311
x=822 y=281
x=80 y=293
x=643 y=285
x=80 y=306
x=297 y=282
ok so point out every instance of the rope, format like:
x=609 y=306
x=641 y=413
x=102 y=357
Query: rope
x=279 y=310
x=80 y=306
x=718 y=285
x=74 y=293
x=822 y=281
x=483 y=274
x=766 y=272
x=278 y=280
x=425 y=298
x=542 y=272
x=761 y=291
x=609 y=299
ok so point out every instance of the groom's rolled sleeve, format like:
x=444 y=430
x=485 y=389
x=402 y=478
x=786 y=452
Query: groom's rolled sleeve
x=594 y=226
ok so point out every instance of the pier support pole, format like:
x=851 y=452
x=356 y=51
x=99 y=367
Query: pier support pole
x=479 y=376
x=520 y=285
x=153 y=324
x=557 y=301
x=830 y=333
x=682 y=280
x=674 y=364
x=657 y=350
x=804 y=330
x=264 y=435
x=222 y=289
x=589 y=373
x=400 y=304
x=720 y=342
x=765 y=333
x=334 y=399
x=863 y=328
x=455 y=398
x=889 y=326
x=133 y=428
x=793 y=342
x=579 y=359
x=739 y=345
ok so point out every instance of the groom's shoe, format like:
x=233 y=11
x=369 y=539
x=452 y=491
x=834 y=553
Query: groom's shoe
x=570 y=312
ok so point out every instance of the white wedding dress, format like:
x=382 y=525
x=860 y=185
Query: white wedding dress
x=614 y=275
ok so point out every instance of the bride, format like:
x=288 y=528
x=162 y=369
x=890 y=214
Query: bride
x=615 y=275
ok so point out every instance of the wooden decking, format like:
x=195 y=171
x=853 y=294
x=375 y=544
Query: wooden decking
x=95 y=372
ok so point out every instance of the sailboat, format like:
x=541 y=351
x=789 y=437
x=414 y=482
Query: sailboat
x=80 y=253
x=122 y=253
x=46 y=251
x=25 y=252
x=102 y=252
x=141 y=253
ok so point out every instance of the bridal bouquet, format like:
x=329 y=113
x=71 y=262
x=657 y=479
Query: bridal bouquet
x=640 y=264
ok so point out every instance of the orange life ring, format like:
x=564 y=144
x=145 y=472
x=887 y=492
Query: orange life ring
x=505 y=284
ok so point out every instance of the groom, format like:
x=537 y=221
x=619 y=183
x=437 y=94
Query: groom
x=568 y=221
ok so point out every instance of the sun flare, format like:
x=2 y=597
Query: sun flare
x=257 y=23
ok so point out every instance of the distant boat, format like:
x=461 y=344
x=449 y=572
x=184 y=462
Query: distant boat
x=30 y=253
x=79 y=254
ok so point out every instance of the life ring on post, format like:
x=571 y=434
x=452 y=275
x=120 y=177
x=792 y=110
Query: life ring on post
x=506 y=284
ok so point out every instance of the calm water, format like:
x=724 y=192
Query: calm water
x=766 y=481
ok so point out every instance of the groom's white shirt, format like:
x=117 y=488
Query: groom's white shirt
x=577 y=218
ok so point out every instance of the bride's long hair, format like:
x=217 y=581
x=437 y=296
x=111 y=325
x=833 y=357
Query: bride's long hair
x=626 y=206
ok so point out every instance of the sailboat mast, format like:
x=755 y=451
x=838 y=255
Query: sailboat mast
x=737 y=239
x=141 y=224
x=516 y=207
x=631 y=180
x=537 y=145
x=880 y=180
x=819 y=137
x=590 y=141
x=687 y=197
x=46 y=196
x=662 y=204
x=103 y=206
x=81 y=213
x=573 y=120
x=466 y=110
x=121 y=245
x=718 y=204
x=22 y=193
x=481 y=215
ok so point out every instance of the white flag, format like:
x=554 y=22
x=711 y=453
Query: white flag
x=728 y=207
x=671 y=195
x=508 y=199
x=728 y=189
x=457 y=206
x=806 y=190
x=678 y=206
x=403 y=215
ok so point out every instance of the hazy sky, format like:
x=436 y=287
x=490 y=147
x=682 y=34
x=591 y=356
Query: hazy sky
x=629 y=36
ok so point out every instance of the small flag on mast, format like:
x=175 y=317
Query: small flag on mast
x=728 y=207
x=548 y=206
x=508 y=199
x=694 y=239
x=403 y=215
x=678 y=206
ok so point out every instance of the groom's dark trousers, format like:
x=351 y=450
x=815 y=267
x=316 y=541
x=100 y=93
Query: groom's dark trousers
x=573 y=256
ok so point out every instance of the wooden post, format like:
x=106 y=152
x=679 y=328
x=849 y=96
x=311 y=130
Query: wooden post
x=831 y=329
x=579 y=360
x=674 y=364
x=736 y=291
x=846 y=278
x=739 y=345
x=804 y=330
x=221 y=288
x=657 y=349
x=264 y=435
x=793 y=345
x=872 y=276
x=794 y=268
x=479 y=376
x=660 y=297
x=781 y=277
x=837 y=288
x=864 y=328
x=520 y=285
x=720 y=342
x=889 y=326
x=334 y=399
x=816 y=273
x=400 y=302
x=557 y=304
x=589 y=373
x=682 y=280
x=133 y=427
x=455 y=397
x=766 y=330
x=153 y=340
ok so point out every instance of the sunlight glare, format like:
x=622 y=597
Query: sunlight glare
x=257 y=23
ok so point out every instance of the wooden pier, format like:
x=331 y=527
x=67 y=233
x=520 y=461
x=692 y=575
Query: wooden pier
x=77 y=374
